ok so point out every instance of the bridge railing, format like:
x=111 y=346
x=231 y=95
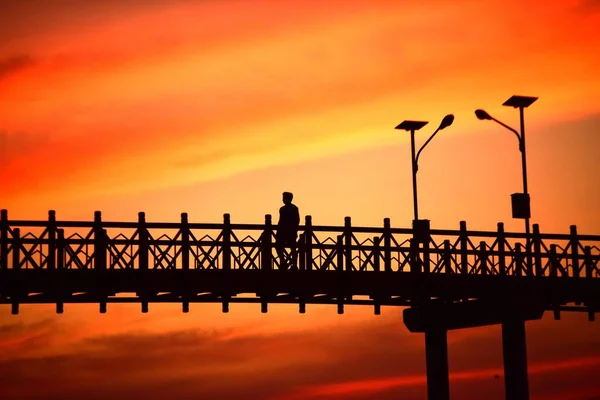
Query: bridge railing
x=99 y=244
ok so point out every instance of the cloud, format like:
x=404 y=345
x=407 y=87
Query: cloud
x=14 y=64
x=192 y=364
x=19 y=144
x=22 y=339
x=375 y=360
x=589 y=6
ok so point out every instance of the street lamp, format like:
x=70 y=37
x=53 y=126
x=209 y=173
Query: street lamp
x=413 y=126
x=520 y=201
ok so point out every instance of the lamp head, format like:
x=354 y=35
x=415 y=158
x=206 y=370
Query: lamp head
x=411 y=125
x=481 y=114
x=446 y=122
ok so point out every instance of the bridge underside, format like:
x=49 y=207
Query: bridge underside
x=300 y=287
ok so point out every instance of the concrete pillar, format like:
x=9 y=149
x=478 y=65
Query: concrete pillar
x=436 y=355
x=514 y=350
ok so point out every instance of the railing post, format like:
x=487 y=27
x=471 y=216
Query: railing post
x=16 y=248
x=339 y=250
x=16 y=265
x=587 y=259
x=51 y=260
x=144 y=246
x=267 y=248
x=501 y=249
x=100 y=245
x=348 y=243
x=589 y=268
x=376 y=254
x=60 y=249
x=185 y=242
x=447 y=257
x=308 y=236
x=426 y=257
x=574 y=243
x=226 y=249
x=553 y=261
x=518 y=259
x=483 y=258
x=387 y=245
x=537 y=250
x=464 y=258
x=3 y=239
x=302 y=251
x=415 y=264
x=415 y=259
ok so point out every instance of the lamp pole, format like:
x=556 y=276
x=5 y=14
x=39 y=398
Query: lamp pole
x=514 y=344
x=414 y=174
x=413 y=126
x=521 y=202
x=436 y=343
x=524 y=169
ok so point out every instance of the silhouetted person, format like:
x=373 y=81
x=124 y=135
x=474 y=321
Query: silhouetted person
x=287 y=230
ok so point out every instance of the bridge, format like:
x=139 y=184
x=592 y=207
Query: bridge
x=446 y=279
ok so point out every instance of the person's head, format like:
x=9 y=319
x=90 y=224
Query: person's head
x=287 y=197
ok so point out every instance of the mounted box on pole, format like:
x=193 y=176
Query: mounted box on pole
x=520 y=205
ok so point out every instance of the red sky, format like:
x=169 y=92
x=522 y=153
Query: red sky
x=211 y=107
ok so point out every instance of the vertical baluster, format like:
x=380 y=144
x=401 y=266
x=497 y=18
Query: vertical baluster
x=16 y=248
x=518 y=259
x=447 y=257
x=302 y=251
x=587 y=259
x=537 y=250
x=415 y=261
x=376 y=255
x=574 y=244
x=100 y=244
x=426 y=256
x=51 y=260
x=553 y=261
x=52 y=256
x=185 y=261
x=339 y=251
x=387 y=245
x=16 y=261
x=308 y=236
x=348 y=243
x=483 y=258
x=227 y=257
x=267 y=248
x=226 y=249
x=60 y=249
x=3 y=240
x=144 y=245
x=500 y=239
x=464 y=258
x=185 y=242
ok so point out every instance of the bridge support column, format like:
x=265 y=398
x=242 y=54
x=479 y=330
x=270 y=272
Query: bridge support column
x=514 y=350
x=436 y=355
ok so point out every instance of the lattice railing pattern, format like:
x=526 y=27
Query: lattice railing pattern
x=99 y=244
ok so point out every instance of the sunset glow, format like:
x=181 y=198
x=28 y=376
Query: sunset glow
x=213 y=107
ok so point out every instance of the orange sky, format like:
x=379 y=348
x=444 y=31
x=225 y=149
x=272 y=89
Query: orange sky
x=211 y=107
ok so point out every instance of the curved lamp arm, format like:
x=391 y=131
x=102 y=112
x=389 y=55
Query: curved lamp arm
x=483 y=115
x=422 y=147
x=446 y=122
x=512 y=130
